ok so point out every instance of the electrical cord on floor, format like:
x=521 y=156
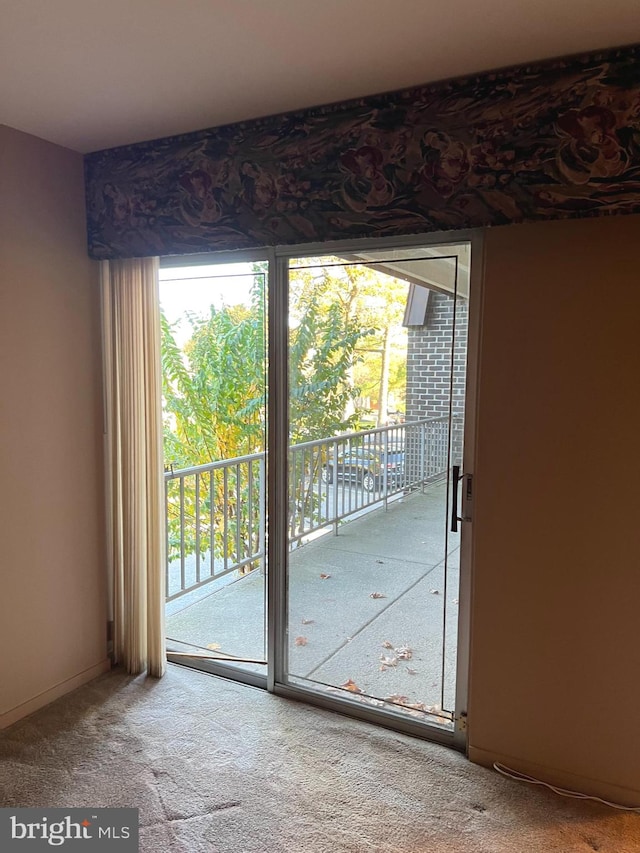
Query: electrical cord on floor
x=522 y=777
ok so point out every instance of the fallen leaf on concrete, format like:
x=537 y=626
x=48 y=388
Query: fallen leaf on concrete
x=214 y=646
x=324 y=576
x=387 y=645
x=389 y=661
x=308 y=621
x=434 y=591
x=301 y=641
x=404 y=653
x=455 y=600
x=398 y=699
x=377 y=595
x=412 y=671
x=352 y=686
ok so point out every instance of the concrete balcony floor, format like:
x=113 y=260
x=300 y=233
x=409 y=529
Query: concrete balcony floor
x=385 y=590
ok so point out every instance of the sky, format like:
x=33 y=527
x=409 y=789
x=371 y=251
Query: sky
x=195 y=289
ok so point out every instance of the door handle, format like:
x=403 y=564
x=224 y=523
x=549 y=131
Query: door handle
x=456 y=476
x=455 y=518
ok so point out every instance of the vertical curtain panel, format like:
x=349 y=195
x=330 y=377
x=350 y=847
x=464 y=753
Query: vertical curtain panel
x=134 y=462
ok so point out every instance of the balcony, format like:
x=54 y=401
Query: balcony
x=370 y=604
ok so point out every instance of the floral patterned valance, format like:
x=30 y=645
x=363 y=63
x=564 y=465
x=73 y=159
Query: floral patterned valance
x=549 y=141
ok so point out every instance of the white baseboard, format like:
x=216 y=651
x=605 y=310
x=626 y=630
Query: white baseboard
x=42 y=699
x=569 y=781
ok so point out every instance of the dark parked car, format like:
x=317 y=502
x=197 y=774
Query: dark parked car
x=365 y=467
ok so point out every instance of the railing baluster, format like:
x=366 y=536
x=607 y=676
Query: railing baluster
x=385 y=468
x=297 y=491
x=197 y=528
x=212 y=527
x=225 y=516
x=325 y=496
x=307 y=489
x=249 y=549
x=182 y=549
x=300 y=493
x=239 y=554
x=317 y=469
x=262 y=512
x=334 y=487
x=304 y=502
x=167 y=568
x=291 y=494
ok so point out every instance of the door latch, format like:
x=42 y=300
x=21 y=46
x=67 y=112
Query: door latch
x=468 y=497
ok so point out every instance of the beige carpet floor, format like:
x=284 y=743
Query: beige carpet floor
x=218 y=767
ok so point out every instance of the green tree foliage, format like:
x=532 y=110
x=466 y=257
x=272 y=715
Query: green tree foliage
x=214 y=406
x=214 y=390
x=374 y=301
x=323 y=342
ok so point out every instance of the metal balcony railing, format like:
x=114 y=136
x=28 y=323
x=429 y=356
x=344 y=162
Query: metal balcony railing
x=216 y=513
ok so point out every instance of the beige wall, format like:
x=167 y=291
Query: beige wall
x=555 y=673
x=52 y=573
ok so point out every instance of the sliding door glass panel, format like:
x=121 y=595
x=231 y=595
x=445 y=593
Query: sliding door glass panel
x=377 y=360
x=214 y=422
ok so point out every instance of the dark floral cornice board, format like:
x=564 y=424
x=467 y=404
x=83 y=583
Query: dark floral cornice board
x=553 y=140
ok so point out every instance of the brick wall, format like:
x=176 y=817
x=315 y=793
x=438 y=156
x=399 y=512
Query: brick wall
x=429 y=365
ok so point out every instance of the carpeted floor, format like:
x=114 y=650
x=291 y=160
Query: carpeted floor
x=219 y=767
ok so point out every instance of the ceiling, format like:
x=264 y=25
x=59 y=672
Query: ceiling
x=443 y=268
x=91 y=74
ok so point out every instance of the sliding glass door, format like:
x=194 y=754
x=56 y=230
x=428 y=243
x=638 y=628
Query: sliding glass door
x=377 y=346
x=314 y=543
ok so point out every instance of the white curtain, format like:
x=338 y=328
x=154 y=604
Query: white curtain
x=134 y=463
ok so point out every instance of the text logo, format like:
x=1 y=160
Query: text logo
x=28 y=830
